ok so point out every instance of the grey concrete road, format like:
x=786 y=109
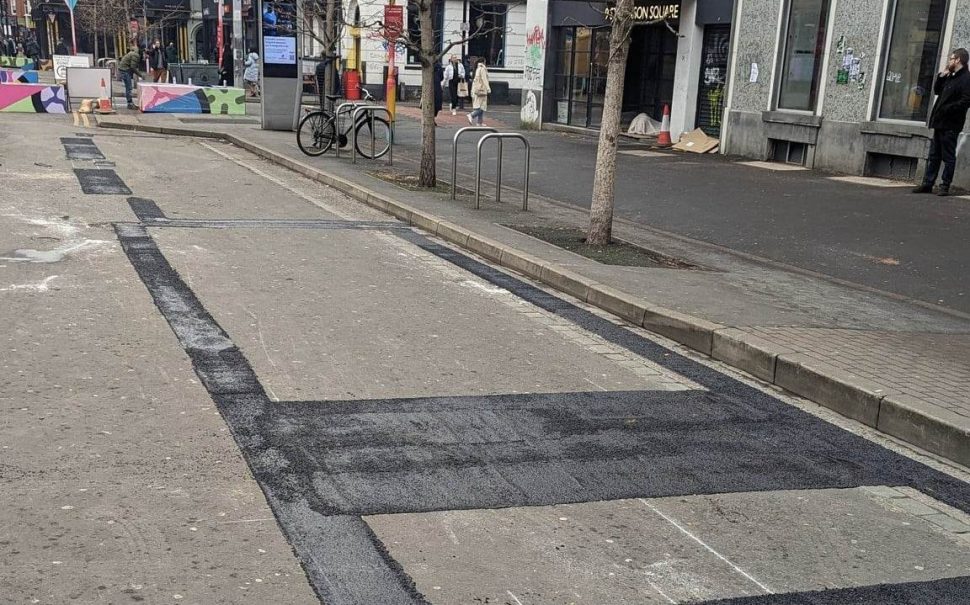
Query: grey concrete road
x=879 y=237
x=222 y=383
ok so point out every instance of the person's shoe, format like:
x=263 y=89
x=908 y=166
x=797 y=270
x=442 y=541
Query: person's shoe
x=943 y=191
x=470 y=120
x=132 y=106
x=924 y=188
x=454 y=112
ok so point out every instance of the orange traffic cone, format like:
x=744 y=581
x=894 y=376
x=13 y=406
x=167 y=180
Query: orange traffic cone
x=104 y=103
x=663 y=139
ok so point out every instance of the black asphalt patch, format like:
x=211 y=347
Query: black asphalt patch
x=101 y=181
x=345 y=562
x=955 y=591
x=450 y=453
x=81 y=149
x=323 y=464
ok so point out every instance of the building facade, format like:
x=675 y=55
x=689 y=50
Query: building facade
x=363 y=48
x=679 y=52
x=841 y=85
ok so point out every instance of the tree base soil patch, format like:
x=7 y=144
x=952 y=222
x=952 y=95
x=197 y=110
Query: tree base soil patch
x=407 y=181
x=616 y=252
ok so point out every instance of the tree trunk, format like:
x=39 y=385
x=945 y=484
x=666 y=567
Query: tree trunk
x=329 y=43
x=427 y=176
x=604 y=180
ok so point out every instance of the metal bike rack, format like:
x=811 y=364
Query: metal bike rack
x=338 y=123
x=454 y=154
x=390 y=122
x=498 y=172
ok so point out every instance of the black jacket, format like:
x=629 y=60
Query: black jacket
x=952 y=102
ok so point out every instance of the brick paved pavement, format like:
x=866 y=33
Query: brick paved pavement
x=932 y=367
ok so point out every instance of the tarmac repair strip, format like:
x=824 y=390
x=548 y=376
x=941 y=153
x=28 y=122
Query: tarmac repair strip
x=322 y=466
x=81 y=148
x=101 y=181
x=94 y=181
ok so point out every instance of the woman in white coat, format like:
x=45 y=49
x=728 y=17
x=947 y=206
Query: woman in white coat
x=480 y=92
x=251 y=74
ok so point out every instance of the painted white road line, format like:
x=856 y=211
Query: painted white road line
x=706 y=546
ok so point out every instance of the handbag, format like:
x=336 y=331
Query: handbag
x=463 y=89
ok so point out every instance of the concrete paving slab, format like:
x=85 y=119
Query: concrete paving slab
x=120 y=482
x=448 y=333
x=191 y=182
x=668 y=550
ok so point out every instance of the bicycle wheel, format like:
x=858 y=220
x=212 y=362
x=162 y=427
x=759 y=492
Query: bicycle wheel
x=382 y=137
x=316 y=133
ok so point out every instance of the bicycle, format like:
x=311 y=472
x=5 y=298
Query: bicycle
x=317 y=131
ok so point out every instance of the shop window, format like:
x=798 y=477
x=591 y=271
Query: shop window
x=912 y=59
x=489 y=20
x=804 y=50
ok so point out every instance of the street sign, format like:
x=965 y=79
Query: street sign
x=393 y=22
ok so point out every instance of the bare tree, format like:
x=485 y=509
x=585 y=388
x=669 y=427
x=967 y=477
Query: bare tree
x=423 y=48
x=604 y=179
x=428 y=57
x=328 y=14
x=100 y=17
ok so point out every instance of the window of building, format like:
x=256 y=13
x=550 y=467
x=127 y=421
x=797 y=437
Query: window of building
x=579 y=82
x=804 y=50
x=414 y=28
x=912 y=59
x=489 y=20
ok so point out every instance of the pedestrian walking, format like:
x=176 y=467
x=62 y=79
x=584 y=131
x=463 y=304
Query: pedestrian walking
x=11 y=48
x=130 y=68
x=480 y=92
x=32 y=51
x=61 y=48
x=251 y=74
x=952 y=88
x=439 y=75
x=171 y=54
x=456 y=83
x=158 y=62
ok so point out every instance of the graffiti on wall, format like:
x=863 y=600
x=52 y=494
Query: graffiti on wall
x=535 y=56
x=18 y=62
x=18 y=75
x=530 y=109
x=169 y=98
x=850 y=68
x=32 y=98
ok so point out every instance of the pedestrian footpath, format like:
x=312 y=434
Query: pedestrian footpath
x=888 y=362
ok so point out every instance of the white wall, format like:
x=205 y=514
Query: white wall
x=374 y=53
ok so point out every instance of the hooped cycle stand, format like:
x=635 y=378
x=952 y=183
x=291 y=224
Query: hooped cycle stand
x=370 y=110
x=499 y=137
x=454 y=154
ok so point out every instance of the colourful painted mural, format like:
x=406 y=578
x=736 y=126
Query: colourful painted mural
x=182 y=98
x=8 y=76
x=18 y=62
x=32 y=98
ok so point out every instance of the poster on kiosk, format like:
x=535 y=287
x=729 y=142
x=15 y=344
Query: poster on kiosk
x=282 y=77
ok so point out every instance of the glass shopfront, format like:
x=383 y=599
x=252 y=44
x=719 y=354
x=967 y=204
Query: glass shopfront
x=580 y=75
x=912 y=59
x=580 y=65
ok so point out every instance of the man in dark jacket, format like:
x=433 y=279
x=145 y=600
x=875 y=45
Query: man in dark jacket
x=952 y=88
x=61 y=48
x=130 y=68
x=171 y=54
x=32 y=50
